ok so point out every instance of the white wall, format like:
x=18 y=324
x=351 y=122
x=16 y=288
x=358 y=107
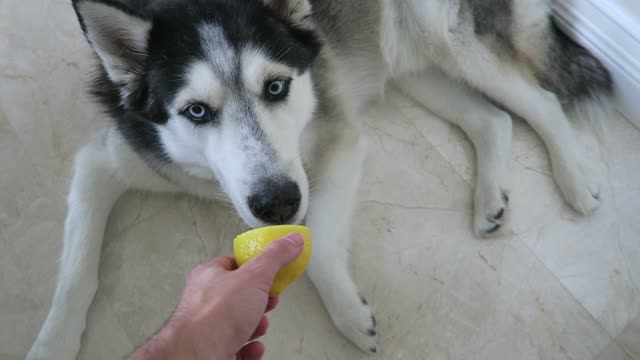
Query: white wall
x=632 y=7
x=611 y=30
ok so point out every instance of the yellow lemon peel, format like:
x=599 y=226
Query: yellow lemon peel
x=249 y=244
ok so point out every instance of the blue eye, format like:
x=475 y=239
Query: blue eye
x=197 y=112
x=276 y=89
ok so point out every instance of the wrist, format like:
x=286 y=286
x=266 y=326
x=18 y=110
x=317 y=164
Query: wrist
x=168 y=344
x=185 y=339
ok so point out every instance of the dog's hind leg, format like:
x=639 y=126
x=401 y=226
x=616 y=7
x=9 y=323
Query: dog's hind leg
x=339 y=163
x=94 y=190
x=488 y=128
x=508 y=84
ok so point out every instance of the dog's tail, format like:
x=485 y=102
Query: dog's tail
x=580 y=80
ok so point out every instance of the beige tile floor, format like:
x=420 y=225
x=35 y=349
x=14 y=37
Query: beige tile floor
x=558 y=286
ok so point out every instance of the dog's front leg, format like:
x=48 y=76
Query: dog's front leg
x=94 y=190
x=329 y=217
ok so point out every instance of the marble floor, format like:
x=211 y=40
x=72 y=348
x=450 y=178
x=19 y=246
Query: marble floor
x=556 y=286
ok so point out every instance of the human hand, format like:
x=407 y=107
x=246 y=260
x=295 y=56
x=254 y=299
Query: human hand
x=222 y=308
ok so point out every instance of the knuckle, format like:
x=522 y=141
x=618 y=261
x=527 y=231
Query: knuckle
x=253 y=270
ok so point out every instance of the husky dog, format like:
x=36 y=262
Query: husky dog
x=236 y=99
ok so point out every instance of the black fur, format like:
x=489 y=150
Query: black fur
x=573 y=72
x=135 y=123
x=494 y=19
x=136 y=8
x=174 y=41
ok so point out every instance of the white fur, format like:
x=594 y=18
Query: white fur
x=450 y=49
x=204 y=151
x=488 y=128
x=544 y=113
x=329 y=218
x=94 y=189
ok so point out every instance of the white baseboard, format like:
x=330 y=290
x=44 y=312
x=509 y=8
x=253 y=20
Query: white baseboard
x=611 y=30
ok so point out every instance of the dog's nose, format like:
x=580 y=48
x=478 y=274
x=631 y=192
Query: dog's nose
x=275 y=201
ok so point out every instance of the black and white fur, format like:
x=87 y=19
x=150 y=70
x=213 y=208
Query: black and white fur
x=164 y=63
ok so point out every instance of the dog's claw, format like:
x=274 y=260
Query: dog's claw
x=493 y=229
x=499 y=214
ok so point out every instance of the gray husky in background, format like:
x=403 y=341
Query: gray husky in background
x=238 y=99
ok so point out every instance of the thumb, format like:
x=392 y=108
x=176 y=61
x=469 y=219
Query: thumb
x=274 y=257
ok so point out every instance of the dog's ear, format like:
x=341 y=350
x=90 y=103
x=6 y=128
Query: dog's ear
x=118 y=36
x=297 y=12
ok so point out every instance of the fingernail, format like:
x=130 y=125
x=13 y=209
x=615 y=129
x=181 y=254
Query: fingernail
x=295 y=239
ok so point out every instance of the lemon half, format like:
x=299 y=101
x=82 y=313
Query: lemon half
x=249 y=244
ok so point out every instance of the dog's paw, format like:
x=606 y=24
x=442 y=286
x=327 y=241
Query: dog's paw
x=579 y=186
x=357 y=322
x=61 y=343
x=56 y=352
x=491 y=203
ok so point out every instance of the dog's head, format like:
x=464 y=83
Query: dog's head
x=221 y=88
